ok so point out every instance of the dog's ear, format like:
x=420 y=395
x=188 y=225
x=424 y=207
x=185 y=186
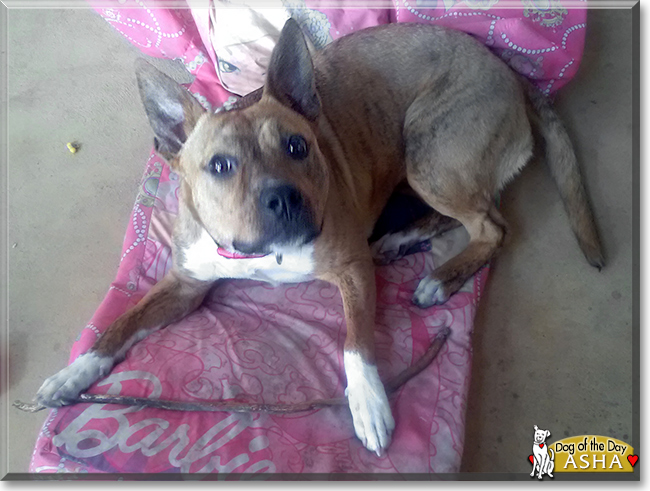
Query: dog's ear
x=548 y=433
x=172 y=110
x=290 y=78
x=535 y=426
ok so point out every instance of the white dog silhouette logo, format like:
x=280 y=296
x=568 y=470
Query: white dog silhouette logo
x=541 y=460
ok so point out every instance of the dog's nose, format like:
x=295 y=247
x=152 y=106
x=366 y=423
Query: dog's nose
x=284 y=202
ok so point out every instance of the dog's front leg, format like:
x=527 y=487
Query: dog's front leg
x=542 y=465
x=371 y=414
x=169 y=300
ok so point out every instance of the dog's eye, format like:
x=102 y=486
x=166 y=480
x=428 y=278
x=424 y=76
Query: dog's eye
x=222 y=164
x=297 y=147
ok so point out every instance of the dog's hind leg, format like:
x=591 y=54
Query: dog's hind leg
x=550 y=467
x=460 y=150
x=397 y=244
x=487 y=230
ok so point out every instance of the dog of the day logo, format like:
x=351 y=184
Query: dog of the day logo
x=584 y=453
x=542 y=458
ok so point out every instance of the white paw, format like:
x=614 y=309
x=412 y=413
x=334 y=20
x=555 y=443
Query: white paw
x=429 y=292
x=371 y=415
x=67 y=384
x=393 y=246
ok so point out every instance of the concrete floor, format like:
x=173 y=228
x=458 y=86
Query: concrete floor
x=553 y=338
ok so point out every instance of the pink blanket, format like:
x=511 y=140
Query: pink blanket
x=254 y=342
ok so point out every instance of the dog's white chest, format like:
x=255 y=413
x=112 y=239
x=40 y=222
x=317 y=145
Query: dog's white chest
x=203 y=262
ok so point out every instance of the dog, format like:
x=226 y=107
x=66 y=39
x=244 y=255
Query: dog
x=543 y=462
x=293 y=178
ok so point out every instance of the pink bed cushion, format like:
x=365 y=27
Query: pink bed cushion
x=541 y=39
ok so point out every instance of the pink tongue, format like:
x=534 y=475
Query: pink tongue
x=235 y=255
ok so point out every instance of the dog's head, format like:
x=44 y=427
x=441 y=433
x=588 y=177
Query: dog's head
x=253 y=176
x=540 y=435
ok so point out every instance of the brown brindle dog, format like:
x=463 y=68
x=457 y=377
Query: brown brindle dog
x=298 y=174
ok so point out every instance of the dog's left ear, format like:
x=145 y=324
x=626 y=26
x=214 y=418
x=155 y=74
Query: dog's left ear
x=172 y=110
x=548 y=433
x=290 y=78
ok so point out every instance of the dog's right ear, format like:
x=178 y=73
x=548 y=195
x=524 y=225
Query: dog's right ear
x=172 y=110
x=290 y=77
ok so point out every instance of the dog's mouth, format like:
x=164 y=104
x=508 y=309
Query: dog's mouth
x=277 y=245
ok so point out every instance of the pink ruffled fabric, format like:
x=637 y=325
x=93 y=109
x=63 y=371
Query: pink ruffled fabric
x=254 y=342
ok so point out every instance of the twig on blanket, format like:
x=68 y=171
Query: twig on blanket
x=247 y=407
x=424 y=361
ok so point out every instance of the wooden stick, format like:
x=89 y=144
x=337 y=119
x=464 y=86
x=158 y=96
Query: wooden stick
x=247 y=407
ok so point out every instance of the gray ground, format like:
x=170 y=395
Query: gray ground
x=553 y=337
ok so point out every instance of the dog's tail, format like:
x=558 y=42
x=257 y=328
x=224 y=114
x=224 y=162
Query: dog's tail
x=552 y=457
x=563 y=165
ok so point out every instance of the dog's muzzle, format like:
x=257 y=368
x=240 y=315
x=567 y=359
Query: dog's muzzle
x=286 y=219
